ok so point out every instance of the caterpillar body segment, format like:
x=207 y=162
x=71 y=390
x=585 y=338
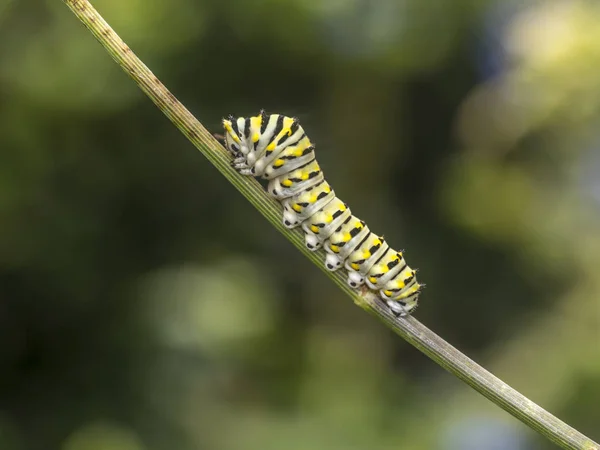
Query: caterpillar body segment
x=343 y=241
x=324 y=222
x=260 y=141
x=385 y=269
x=363 y=258
x=276 y=148
x=301 y=206
x=292 y=158
x=296 y=181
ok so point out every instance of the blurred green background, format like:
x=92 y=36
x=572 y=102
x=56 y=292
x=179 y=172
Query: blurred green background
x=145 y=305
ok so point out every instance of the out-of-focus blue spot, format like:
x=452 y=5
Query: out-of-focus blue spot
x=489 y=52
x=481 y=433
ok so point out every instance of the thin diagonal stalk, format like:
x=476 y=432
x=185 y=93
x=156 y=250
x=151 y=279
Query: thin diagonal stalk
x=408 y=328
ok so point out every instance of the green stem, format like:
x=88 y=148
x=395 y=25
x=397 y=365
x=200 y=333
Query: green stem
x=408 y=328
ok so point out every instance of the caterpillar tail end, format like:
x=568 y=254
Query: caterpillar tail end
x=407 y=305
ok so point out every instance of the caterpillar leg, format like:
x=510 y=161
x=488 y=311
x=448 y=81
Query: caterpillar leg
x=322 y=224
x=290 y=220
x=312 y=242
x=242 y=170
x=305 y=204
x=406 y=301
x=363 y=258
x=333 y=262
x=399 y=308
x=343 y=242
x=355 y=279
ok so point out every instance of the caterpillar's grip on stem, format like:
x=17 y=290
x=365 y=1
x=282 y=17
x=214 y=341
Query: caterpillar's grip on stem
x=276 y=148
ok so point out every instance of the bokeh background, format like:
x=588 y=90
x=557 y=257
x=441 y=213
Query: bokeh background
x=145 y=305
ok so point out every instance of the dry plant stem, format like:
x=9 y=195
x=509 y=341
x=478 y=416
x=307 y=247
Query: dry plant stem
x=408 y=328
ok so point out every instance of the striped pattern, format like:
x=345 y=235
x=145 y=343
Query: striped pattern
x=275 y=147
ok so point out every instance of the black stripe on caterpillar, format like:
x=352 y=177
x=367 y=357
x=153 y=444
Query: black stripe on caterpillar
x=275 y=147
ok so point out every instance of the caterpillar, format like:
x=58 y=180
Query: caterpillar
x=276 y=148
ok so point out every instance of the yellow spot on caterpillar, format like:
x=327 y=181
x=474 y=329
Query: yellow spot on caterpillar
x=334 y=248
x=411 y=291
x=227 y=125
x=255 y=137
x=298 y=152
x=373 y=279
x=346 y=237
x=327 y=189
x=287 y=183
x=271 y=146
x=312 y=199
x=278 y=163
x=388 y=293
x=296 y=207
x=355 y=266
x=385 y=269
x=343 y=208
x=304 y=176
x=366 y=254
x=328 y=218
x=287 y=123
x=314 y=228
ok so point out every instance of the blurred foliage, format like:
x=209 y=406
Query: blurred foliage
x=145 y=305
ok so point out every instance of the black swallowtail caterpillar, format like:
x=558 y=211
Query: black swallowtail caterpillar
x=276 y=148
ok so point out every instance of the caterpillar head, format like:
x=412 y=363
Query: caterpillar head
x=233 y=141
